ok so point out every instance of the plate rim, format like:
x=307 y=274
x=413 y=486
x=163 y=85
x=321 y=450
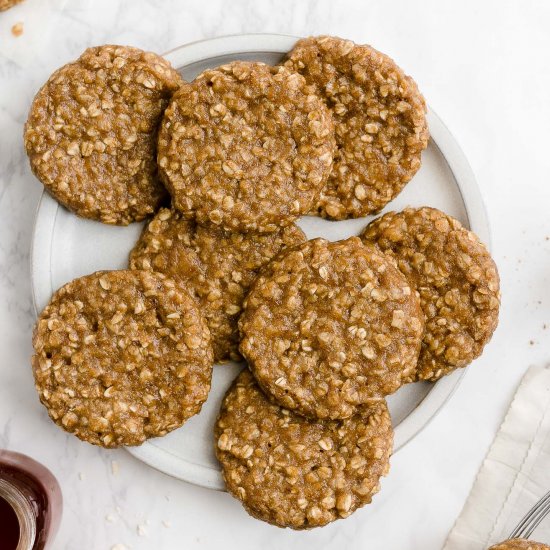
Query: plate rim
x=195 y=52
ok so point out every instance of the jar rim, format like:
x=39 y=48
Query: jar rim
x=23 y=510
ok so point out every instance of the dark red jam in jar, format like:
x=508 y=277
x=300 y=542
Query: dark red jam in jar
x=30 y=503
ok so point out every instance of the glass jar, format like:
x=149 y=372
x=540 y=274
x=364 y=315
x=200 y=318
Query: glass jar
x=30 y=503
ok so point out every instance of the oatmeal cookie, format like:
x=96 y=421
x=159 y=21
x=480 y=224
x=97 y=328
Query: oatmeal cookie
x=519 y=544
x=121 y=356
x=92 y=131
x=7 y=4
x=246 y=147
x=455 y=277
x=380 y=123
x=294 y=472
x=219 y=266
x=327 y=327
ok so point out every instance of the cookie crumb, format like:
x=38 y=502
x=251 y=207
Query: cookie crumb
x=141 y=531
x=166 y=523
x=17 y=29
x=114 y=467
x=81 y=476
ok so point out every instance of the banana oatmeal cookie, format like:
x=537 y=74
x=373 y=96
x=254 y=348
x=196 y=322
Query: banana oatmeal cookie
x=380 y=123
x=7 y=4
x=246 y=147
x=91 y=135
x=121 y=356
x=520 y=544
x=294 y=472
x=455 y=277
x=217 y=265
x=327 y=327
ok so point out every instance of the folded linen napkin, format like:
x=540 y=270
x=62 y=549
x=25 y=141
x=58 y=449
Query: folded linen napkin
x=515 y=473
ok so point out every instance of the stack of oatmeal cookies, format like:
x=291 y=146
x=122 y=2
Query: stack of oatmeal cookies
x=226 y=165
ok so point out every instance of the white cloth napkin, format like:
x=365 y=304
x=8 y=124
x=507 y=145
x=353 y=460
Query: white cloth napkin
x=515 y=473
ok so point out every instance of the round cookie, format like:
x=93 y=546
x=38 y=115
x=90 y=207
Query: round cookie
x=327 y=327
x=520 y=544
x=294 y=472
x=91 y=134
x=219 y=266
x=121 y=356
x=455 y=277
x=246 y=147
x=379 y=118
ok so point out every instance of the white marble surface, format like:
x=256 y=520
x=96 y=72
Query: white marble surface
x=484 y=67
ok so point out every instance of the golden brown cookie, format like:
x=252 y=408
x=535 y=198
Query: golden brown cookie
x=7 y=4
x=327 y=327
x=217 y=265
x=246 y=147
x=91 y=135
x=380 y=123
x=121 y=356
x=294 y=472
x=455 y=277
x=519 y=544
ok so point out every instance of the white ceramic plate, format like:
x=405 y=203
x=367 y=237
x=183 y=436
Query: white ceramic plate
x=65 y=247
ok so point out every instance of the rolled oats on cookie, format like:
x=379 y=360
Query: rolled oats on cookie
x=380 y=123
x=121 y=356
x=246 y=147
x=91 y=134
x=330 y=326
x=455 y=277
x=294 y=472
x=218 y=266
x=520 y=544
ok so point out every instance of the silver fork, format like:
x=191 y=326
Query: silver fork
x=532 y=519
